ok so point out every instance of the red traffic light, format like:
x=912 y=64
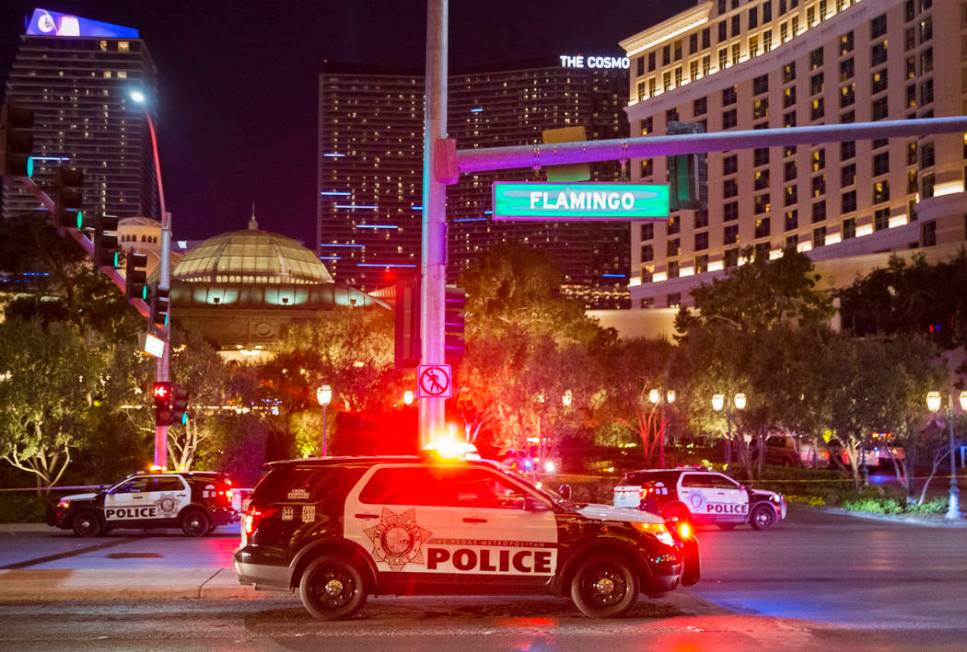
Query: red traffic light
x=162 y=390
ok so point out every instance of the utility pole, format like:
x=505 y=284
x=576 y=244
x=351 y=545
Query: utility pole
x=163 y=364
x=433 y=266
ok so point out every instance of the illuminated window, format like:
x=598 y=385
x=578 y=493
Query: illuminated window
x=124 y=46
x=792 y=219
x=881 y=191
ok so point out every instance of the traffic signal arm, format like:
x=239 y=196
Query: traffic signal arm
x=86 y=245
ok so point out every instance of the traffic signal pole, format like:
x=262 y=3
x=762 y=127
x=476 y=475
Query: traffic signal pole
x=616 y=149
x=433 y=265
x=163 y=364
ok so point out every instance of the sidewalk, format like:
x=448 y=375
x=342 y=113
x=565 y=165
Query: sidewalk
x=27 y=585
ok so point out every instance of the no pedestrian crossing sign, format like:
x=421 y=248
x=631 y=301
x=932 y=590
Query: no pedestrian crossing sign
x=435 y=381
x=580 y=202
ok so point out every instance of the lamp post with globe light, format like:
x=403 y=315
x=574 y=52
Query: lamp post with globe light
x=660 y=400
x=324 y=396
x=934 y=402
x=720 y=402
x=163 y=366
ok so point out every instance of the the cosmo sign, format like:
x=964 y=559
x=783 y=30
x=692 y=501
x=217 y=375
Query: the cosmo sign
x=581 y=61
x=44 y=22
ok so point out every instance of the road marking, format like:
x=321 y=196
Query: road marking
x=64 y=555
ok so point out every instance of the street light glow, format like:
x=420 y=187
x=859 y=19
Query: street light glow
x=963 y=400
x=933 y=401
x=408 y=397
x=718 y=402
x=670 y=396
x=654 y=396
x=739 y=401
x=137 y=96
x=324 y=395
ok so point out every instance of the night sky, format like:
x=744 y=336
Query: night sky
x=239 y=80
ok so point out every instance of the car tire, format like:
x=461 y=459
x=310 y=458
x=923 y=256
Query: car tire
x=604 y=586
x=762 y=517
x=86 y=523
x=195 y=523
x=332 y=588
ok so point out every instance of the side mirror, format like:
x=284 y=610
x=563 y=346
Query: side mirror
x=565 y=491
x=532 y=504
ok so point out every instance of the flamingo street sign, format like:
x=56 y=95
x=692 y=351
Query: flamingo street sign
x=580 y=202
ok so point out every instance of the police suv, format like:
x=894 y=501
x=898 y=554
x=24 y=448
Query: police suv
x=699 y=496
x=197 y=502
x=341 y=529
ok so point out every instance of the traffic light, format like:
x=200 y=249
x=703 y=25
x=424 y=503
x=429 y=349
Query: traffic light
x=158 y=302
x=136 y=275
x=68 y=199
x=454 y=323
x=179 y=404
x=106 y=252
x=18 y=141
x=407 y=313
x=163 y=412
x=687 y=173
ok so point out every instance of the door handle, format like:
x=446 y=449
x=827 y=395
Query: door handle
x=471 y=519
x=137 y=497
x=366 y=516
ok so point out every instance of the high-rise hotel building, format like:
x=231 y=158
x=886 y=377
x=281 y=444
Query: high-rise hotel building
x=76 y=74
x=370 y=172
x=750 y=64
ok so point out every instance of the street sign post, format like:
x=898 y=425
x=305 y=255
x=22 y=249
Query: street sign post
x=580 y=202
x=435 y=381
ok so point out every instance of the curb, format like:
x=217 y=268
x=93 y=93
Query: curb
x=47 y=585
x=898 y=520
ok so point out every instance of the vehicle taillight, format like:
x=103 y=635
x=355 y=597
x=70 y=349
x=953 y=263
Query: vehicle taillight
x=254 y=516
x=228 y=495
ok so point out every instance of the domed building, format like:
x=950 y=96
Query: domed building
x=242 y=290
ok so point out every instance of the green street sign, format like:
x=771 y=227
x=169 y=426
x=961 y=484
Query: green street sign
x=580 y=202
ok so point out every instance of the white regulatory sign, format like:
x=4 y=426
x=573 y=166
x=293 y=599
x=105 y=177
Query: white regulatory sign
x=435 y=381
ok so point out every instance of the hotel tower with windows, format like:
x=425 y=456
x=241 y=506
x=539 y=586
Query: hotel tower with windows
x=754 y=64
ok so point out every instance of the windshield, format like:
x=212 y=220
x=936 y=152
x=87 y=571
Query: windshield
x=536 y=487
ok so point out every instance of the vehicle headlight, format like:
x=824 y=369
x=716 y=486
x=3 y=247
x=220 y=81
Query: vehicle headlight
x=64 y=504
x=658 y=530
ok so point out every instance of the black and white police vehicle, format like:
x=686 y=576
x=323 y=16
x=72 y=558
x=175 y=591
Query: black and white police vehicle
x=341 y=529
x=699 y=496
x=196 y=502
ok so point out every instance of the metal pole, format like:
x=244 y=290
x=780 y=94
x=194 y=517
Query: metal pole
x=533 y=156
x=953 y=508
x=434 y=259
x=661 y=442
x=325 y=430
x=163 y=365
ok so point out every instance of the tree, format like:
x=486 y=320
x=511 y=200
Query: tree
x=746 y=334
x=632 y=368
x=910 y=297
x=49 y=378
x=526 y=346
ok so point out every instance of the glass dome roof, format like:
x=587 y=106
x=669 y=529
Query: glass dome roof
x=251 y=256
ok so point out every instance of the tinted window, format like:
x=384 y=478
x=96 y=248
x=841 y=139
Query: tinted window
x=302 y=483
x=695 y=480
x=481 y=488
x=407 y=486
x=135 y=485
x=721 y=482
x=169 y=483
x=641 y=477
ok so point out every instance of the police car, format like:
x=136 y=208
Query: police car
x=196 y=502
x=700 y=496
x=341 y=529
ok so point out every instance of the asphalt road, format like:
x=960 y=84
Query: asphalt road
x=818 y=581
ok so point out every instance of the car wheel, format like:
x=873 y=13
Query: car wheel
x=332 y=589
x=763 y=517
x=86 y=524
x=604 y=587
x=195 y=523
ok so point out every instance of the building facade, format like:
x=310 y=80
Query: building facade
x=370 y=172
x=76 y=74
x=750 y=64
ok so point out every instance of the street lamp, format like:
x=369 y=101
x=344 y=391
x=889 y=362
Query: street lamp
x=324 y=396
x=408 y=397
x=720 y=402
x=163 y=365
x=656 y=398
x=567 y=399
x=933 y=404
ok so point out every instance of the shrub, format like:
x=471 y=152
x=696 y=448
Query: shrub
x=812 y=501
x=935 y=506
x=22 y=508
x=873 y=505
